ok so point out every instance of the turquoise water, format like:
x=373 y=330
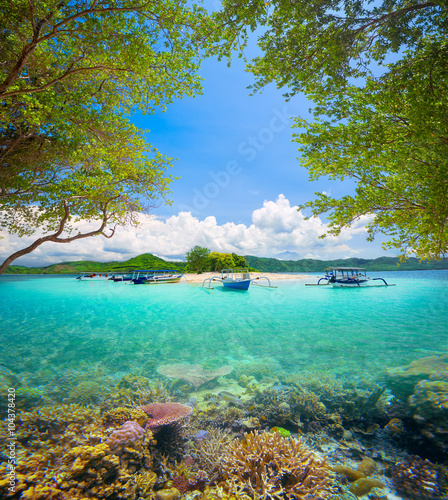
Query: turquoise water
x=58 y=323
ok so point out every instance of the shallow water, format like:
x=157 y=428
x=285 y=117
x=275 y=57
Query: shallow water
x=60 y=323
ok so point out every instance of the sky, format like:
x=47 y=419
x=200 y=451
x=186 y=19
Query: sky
x=239 y=184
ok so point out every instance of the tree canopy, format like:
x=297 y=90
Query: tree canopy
x=200 y=259
x=377 y=74
x=197 y=259
x=70 y=75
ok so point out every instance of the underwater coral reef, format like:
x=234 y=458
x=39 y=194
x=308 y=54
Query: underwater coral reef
x=154 y=434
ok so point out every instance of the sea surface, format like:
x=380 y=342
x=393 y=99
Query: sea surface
x=56 y=323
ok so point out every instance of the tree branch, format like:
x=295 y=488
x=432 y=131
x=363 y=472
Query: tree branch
x=55 y=236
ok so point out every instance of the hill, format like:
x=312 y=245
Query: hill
x=144 y=261
x=264 y=264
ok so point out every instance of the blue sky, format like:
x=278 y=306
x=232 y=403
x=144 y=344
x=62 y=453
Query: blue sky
x=240 y=181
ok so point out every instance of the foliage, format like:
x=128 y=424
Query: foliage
x=263 y=264
x=391 y=136
x=219 y=261
x=384 y=125
x=197 y=259
x=328 y=42
x=70 y=74
x=144 y=261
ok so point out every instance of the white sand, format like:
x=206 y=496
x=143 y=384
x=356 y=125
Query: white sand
x=199 y=278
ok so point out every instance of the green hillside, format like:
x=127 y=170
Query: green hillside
x=309 y=265
x=263 y=264
x=144 y=261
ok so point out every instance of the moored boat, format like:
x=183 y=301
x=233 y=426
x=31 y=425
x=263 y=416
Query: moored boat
x=235 y=279
x=94 y=276
x=156 y=276
x=353 y=277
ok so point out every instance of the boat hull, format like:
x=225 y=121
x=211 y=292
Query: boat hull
x=155 y=281
x=94 y=277
x=350 y=283
x=237 y=285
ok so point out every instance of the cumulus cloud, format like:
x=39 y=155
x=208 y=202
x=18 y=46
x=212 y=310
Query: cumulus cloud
x=276 y=227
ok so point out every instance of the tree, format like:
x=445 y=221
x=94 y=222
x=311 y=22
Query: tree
x=384 y=125
x=239 y=260
x=70 y=73
x=220 y=261
x=392 y=138
x=197 y=259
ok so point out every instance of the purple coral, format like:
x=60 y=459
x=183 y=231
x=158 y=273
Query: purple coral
x=129 y=431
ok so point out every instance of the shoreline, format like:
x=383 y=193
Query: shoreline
x=199 y=278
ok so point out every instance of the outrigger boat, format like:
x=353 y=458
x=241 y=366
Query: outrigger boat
x=348 y=277
x=235 y=279
x=156 y=276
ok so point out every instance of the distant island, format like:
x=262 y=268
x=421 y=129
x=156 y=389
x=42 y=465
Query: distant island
x=263 y=264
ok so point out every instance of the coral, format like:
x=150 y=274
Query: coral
x=349 y=473
x=144 y=483
x=168 y=494
x=420 y=479
x=193 y=374
x=209 y=452
x=367 y=466
x=63 y=456
x=430 y=410
x=165 y=413
x=267 y=466
x=402 y=380
x=135 y=390
x=395 y=426
x=186 y=477
x=118 y=416
x=363 y=485
x=128 y=432
x=87 y=392
x=27 y=397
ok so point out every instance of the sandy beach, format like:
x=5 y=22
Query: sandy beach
x=199 y=278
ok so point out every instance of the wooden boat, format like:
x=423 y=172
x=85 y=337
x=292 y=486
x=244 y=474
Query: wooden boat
x=348 y=277
x=156 y=276
x=121 y=276
x=235 y=279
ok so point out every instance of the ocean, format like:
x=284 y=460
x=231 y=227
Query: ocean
x=355 y=377
x=59 y=322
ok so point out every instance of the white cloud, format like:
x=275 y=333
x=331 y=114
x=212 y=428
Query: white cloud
x=276 y=227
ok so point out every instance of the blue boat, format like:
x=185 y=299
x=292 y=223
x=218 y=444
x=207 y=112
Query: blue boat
x=353 y=277
x=235 y=279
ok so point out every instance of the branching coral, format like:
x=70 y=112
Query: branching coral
x=267 y=466
x=209 y=452
x=63 y=456
x=420 y=479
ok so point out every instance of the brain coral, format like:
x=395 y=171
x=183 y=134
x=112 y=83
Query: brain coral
x=129 y=431
x=267 y=466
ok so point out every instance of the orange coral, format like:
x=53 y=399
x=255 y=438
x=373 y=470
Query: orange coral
x=268 y=466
